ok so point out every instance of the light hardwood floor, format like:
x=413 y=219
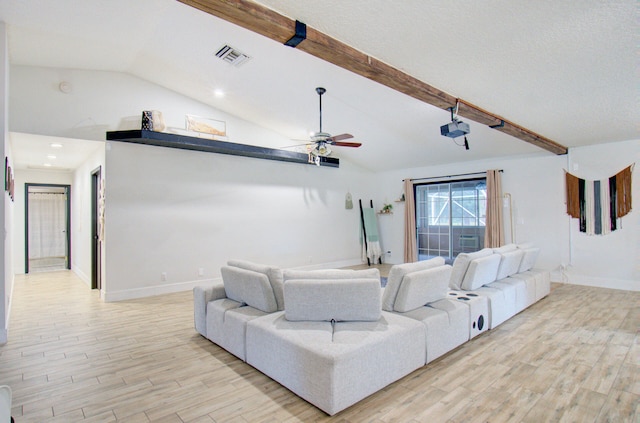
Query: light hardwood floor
x=574 y=357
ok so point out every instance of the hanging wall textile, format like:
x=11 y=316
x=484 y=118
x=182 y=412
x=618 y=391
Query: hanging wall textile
x=598 y=204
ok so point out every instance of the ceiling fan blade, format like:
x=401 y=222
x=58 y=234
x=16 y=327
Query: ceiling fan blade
x=340 y=137
x=347 y=144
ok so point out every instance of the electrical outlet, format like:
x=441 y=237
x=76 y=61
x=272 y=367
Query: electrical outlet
x=163 y=276
x=201 y=272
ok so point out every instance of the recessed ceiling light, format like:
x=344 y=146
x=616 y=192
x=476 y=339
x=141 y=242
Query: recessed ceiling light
x=47 y=165
x=218 y=93
x=51 y=157
x=55 y=145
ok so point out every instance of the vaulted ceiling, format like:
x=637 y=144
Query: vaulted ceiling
x=566 y=71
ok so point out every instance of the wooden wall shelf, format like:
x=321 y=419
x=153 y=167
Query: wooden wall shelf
x=162 y=139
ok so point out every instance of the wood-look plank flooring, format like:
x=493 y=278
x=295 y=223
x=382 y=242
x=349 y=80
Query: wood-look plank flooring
x=572 y=357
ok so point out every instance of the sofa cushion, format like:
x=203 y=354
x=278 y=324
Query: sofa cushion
x=274 y=274
x=481 y=271
x=529 y=259
x=288 y=274
x=502 y=300
x=423 y=287
x=397 y=273
x=446 y=324
x=226 y=324
x=249 y=287
x=509 y=263
x=332 y=299
x=461 y=264
x=505 y=248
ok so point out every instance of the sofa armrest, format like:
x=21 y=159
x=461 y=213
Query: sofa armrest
x=201 y=297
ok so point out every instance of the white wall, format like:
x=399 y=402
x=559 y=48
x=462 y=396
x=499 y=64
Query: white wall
x=175 y=212
x=6 y=206
x=108 y=101
x=81 y=236
x=613 y=259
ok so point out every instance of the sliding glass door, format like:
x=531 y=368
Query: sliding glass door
x=450 y=218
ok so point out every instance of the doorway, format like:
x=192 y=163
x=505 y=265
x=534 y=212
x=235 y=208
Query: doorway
x=47 y=227
x=96 y=228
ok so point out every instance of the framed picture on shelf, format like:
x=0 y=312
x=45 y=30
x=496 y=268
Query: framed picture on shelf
x=207 y=126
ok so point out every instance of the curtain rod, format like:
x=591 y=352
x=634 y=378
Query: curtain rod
x=452 y=176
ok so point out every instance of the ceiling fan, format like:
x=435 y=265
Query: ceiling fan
x=320 y=141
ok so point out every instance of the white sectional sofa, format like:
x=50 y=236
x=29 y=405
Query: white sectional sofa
x=328 y=340
x=334 y=337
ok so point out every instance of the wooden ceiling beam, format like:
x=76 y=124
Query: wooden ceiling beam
x=266 y=22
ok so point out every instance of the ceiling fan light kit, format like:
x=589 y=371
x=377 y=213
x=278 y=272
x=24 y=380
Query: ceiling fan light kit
x=320 y=141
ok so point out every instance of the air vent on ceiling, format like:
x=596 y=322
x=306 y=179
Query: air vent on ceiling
x=232 y=55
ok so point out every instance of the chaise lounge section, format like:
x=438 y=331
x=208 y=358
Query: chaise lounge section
x=333 y=345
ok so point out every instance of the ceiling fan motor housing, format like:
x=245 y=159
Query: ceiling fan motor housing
x=320 y=136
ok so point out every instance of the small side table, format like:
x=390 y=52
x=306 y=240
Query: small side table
x=478 y=310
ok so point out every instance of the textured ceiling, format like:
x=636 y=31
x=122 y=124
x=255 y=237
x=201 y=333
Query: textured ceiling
x=566 y=70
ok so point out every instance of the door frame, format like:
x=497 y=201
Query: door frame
x=67 y=189
x=96 y=247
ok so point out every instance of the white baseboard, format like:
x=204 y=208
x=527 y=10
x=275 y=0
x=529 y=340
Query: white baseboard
x=130 y=294
x=150 y=291
x=4 y=332
x=85 y=278
x=332 y=265
x=623 y=284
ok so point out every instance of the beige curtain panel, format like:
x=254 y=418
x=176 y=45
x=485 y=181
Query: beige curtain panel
x=494 y=226
x=410 y=248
